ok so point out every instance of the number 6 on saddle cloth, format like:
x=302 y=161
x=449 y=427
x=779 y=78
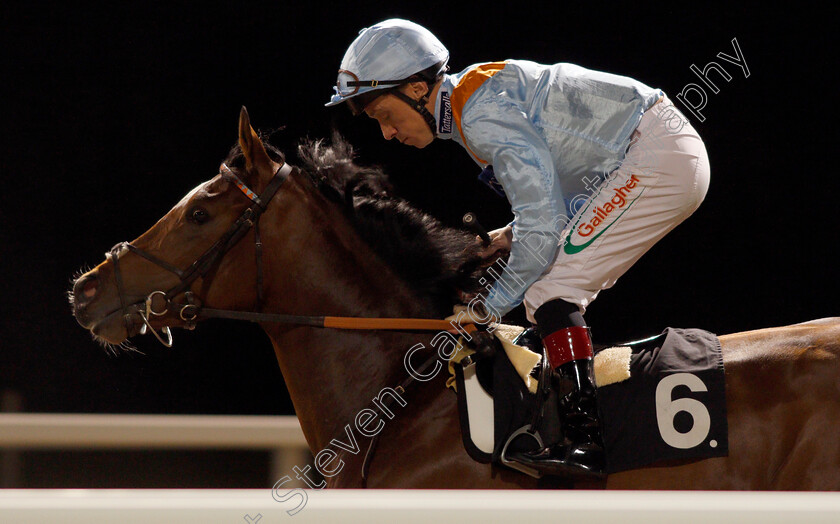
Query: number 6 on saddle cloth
x=673 y=406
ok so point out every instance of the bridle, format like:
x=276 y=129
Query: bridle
x=189 y=312
x=158 y=303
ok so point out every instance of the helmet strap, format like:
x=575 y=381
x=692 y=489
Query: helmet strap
x=419 y=106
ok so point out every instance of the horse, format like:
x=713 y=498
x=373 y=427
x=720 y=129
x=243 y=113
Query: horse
x=330 y=240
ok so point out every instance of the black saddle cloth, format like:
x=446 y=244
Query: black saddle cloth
x=673 y=407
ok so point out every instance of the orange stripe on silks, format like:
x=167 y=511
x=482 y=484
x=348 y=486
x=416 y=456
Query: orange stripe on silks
x=471 y=81
x=422 y=324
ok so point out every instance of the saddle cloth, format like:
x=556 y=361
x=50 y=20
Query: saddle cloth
x=659 y=399
x=673 y=407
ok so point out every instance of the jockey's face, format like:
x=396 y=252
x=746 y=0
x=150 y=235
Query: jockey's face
x=399 y=120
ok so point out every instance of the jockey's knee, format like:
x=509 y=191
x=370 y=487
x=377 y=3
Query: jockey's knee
x=558 y=314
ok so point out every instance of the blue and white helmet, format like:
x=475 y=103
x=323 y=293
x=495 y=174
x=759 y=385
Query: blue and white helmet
x=386 y=55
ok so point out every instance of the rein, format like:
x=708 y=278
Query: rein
x=403 y=324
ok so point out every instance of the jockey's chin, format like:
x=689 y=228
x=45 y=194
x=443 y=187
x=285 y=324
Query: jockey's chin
x=419 y=141
x=418 y=134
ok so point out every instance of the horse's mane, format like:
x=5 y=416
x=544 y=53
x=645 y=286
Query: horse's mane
x=435 y=260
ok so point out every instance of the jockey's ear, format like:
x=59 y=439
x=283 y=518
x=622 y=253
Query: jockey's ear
x=417 y=90
x=257 y=161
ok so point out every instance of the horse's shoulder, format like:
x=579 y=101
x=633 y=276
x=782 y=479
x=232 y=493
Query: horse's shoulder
x=815 y=339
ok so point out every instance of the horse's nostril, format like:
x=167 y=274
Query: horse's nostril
x=89 y=289
x=85 y=288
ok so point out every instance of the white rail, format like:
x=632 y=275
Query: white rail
x=36 y=430
x=281 y=435
x=406 y=507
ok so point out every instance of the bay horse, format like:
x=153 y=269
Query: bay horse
x=330 y=239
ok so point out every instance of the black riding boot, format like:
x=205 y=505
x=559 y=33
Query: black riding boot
x=580 y=454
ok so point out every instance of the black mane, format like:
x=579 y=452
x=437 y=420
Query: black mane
x=435 y=260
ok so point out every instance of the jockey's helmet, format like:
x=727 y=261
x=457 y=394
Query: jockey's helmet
x=385 y=56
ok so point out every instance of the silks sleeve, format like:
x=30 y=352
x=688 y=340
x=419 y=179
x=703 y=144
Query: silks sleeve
x=499 y=131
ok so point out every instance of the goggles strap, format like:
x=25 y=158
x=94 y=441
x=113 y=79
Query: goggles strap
x=373 y=83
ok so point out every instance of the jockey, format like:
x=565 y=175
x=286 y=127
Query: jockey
x=597 y=168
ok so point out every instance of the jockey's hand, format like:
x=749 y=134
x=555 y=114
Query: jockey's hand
x=500 y=241
x=465 y=297
x=475 y=313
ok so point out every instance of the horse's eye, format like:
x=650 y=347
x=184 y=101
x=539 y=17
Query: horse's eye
x=199 y=215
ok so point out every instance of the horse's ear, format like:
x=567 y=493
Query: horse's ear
x=256 y=158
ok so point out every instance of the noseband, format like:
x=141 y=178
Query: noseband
x=202 y=265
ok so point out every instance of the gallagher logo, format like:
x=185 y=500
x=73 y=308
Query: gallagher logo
x=589 y=227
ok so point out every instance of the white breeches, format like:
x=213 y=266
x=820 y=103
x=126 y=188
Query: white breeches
x=662 y=180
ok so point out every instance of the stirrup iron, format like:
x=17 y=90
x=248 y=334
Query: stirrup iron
x=528 y=470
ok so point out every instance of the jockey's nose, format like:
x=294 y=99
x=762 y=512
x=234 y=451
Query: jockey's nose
x=388 y=132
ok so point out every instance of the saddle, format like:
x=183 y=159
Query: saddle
x=672 y=406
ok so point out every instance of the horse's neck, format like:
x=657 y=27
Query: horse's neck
x=333 y=374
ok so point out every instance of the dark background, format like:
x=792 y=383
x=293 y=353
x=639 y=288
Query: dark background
x=111 y=115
